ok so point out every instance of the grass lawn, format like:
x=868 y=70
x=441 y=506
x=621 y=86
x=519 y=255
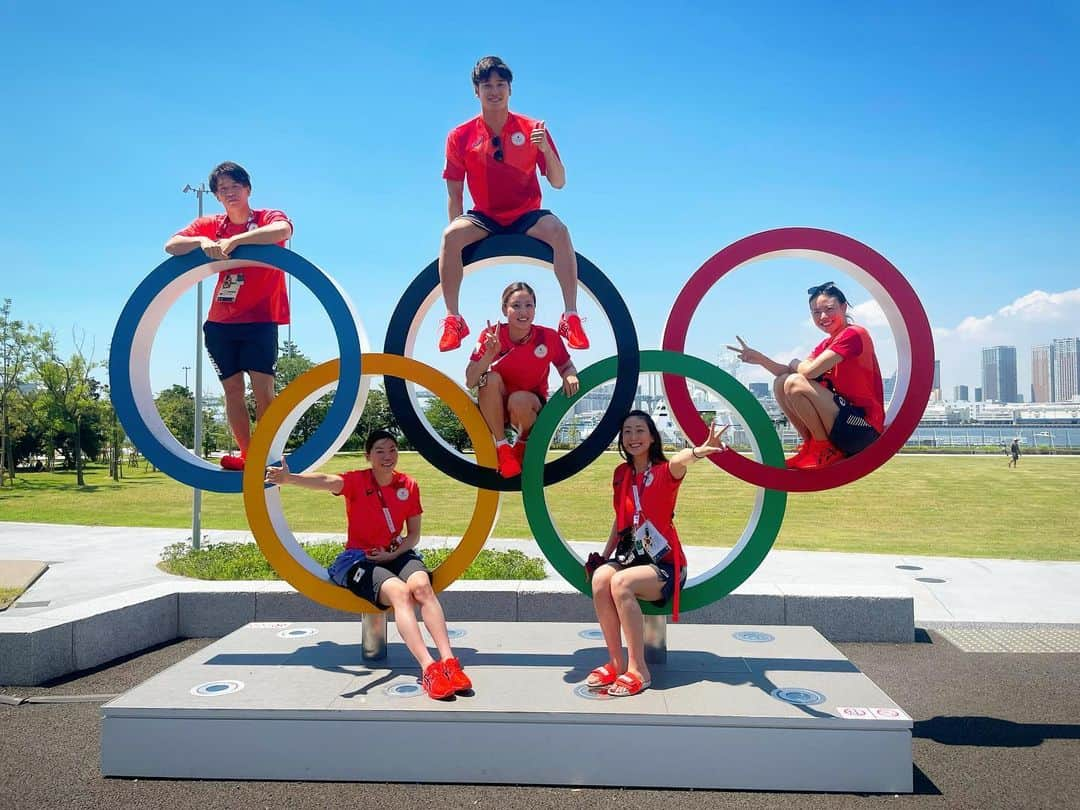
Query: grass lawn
x=963 y=506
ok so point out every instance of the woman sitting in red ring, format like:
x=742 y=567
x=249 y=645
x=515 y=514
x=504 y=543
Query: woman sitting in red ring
x=834 y=398
x=510 y=367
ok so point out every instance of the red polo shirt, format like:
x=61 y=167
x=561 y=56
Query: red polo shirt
x=367 y=525
x=856 y=377
x=503 y=189
x=245 y=294
x=524 y=366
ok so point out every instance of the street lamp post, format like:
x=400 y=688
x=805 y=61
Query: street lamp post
x=186 y=369
x=196 y=502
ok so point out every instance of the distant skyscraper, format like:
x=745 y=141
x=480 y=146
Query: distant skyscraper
x=978 y=395
x=1066 y=368
x=760 y=389
x=999 y=374
x=960 y=393
x=889 y=385
x=1043 y=374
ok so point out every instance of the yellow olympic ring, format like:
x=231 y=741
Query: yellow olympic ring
x=263 y=504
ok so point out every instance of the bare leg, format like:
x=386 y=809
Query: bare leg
x=523 y=407
x=813 y=403
x=431 y=611
x=396 y=594
x=236 y=411
x=262 y=386
x=608 y=615
x=552 y=231
x=627 y=586
x=788 y=408
x=492 y=401
x=458 y=235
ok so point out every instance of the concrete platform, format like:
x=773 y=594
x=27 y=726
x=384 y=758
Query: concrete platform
x=735 y=706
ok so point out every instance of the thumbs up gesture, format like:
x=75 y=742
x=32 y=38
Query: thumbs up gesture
x=539 y=138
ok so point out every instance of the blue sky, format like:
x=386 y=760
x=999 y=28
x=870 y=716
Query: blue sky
x=946 y=140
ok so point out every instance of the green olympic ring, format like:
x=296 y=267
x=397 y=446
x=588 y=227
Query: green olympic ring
x=765 y=520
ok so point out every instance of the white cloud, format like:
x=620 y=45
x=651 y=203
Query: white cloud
x=1032 y=319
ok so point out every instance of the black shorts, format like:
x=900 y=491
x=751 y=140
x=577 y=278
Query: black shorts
x=367 y=577
x=236 y=347
x=851 y=433
x=664 y=570
x=519 y=225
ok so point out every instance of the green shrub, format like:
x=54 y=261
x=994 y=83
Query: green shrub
x=229 y=561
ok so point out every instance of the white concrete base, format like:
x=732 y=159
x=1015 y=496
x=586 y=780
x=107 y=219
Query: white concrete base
x=306 y=707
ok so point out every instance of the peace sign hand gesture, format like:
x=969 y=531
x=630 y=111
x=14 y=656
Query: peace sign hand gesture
x=714 y=443
x=747 y=354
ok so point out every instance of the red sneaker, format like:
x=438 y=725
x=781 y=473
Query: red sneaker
x=435 y=682
x=231 y=462
x=571 y=329
x=454 y=329
x=826 y=457
x=808 y=454
x=509 y=466
x=801 y=452
x=456 y=675
x=519 y=451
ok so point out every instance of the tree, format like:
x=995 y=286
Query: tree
x=71 y=394
x=446 y=423
x=176 y=406
x=18 y=346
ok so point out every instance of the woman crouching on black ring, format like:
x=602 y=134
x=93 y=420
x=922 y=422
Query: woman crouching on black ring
x=378 y=563
x=643 y=558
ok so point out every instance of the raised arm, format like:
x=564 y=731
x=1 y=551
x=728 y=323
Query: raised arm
x=478 y=367
x=688 y=455
x=280 y=476
x=554 y=170
x=756 y=358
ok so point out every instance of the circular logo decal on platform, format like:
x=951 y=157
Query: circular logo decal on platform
x=215 y=688
x=591 y=634
x=298 y=632
x=798 y=697
x=588 y=693
x=518 y=138
x=753 y=636
x=404 y=690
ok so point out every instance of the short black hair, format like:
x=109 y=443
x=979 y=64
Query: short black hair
x=378 y=435
x=482 y=71
x=232 y=170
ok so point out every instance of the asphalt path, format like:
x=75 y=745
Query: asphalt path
x=991 y=731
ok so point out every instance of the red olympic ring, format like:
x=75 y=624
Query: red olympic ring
x=911 y=329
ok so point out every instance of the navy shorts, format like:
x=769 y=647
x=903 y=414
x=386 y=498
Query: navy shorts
x=236 y=347
x=851 y=433
x=519 y=225
x=366 y=578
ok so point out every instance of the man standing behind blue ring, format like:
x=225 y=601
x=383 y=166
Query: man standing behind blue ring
x=249 y=303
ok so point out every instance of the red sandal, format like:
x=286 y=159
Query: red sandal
x=627 y=685
x=602 y=677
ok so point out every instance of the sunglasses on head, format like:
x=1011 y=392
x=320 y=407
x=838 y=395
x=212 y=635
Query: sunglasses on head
x=820 y=288
x=496 y=141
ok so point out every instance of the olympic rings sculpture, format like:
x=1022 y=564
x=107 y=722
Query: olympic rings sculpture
x=142 y=315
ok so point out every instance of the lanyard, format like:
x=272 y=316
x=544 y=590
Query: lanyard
x=251 y=225
x=638 y=511
x=385 y=508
